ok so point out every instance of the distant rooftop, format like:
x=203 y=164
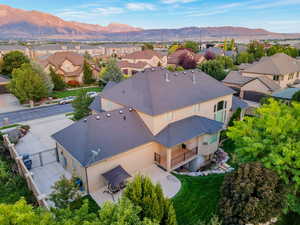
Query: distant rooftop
x=286 y=93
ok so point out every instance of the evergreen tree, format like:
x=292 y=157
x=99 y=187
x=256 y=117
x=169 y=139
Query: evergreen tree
x=296 y=96
x=27 y=85
x=81 y=105
x=149 y=197
x=87 y=73
x=112 y=72
x=57 y=80
x=232 y=45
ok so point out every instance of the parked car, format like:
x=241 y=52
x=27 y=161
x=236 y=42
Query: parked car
x=67 y=100
x=92 y=94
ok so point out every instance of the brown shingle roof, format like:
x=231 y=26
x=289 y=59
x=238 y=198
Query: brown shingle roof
x=278 y=64
x=235 y=77
x=138 y=65
x=146 y=54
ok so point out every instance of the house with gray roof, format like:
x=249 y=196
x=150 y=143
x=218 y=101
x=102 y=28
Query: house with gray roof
x=271 y=74
x=169 y=119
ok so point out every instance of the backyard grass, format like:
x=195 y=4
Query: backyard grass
x=75 y=92
x=197 y=199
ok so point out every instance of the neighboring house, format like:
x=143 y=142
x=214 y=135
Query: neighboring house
x=215 y=51
x=281 y=68
x=69 y=65
x=138 y=61
x=171 y=119
x=174 y=58
x=3 y=82
x=4 y=49
x=120 y=50
x=265 y=77
x=39 y=51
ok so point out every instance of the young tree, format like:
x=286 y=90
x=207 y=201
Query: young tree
x=251 y=194
x=232 y=45
x=81 y=105
x=192 y=45
x=149 y=197
x=57 y=80
x=112 y=72
x=225 y=47
x=226 y=61
x=27 y=85
x=13 y=60
x=257 y=49
x=173 y=48
x=273 y=139
x=87 y=73
x=64 y=192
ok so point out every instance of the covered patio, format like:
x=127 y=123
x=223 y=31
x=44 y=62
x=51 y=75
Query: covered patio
x=170 y=185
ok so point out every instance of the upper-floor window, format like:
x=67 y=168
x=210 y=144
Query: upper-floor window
x=213 y=139
x=196 y=108
x=276 y=77
x=169 y=116
x=220 y=111
x=291 y=76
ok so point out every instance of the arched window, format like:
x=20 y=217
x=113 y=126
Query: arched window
x=220 y=111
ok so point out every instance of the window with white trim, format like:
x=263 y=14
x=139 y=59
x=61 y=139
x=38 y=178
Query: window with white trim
x=220 y=111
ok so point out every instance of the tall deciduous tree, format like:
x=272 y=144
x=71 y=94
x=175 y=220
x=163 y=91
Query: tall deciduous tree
x=45 y=76
x=272 y=137
x=149 y=197
x=81 y=105
x=214 y=68
x=27 y=85
x=13 y=60
x=187 y=62
x=252 y=194
x=112 y=72
x=192 y=45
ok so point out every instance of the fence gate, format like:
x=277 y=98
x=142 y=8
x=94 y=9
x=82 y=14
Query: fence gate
x=44 y=158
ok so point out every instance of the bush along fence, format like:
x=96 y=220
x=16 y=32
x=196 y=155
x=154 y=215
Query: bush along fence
x=24 y=172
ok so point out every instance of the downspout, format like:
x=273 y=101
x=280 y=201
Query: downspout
x=87 y=180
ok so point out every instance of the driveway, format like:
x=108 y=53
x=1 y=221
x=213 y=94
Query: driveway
x=39 y=139
x=35 y=113
x=9 y=103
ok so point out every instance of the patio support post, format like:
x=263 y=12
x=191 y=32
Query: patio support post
x=169 y=159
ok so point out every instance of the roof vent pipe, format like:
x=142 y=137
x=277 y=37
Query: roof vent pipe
x=194 y=79
x=167 y=77
x=97 y=117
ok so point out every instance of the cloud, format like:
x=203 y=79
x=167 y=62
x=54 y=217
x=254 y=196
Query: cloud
x=109 y=11
x=140 y=6
x=272 y=4
x=177 y=1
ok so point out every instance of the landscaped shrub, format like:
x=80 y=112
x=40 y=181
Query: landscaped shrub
x=252 y=194
x=73 y=83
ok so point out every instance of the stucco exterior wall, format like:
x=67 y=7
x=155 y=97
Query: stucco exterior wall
x=71 y=164
x=132 y=161
x=108 y=105
x=154 y=61
x=159 y=122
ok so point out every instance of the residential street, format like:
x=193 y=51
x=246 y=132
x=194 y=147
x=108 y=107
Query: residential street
x=36 y=113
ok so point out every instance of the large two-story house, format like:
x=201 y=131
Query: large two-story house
x=69 y=65
x=265 y=77
x=170 y=119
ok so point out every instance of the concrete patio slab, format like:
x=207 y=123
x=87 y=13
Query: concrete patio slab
x=169 y=183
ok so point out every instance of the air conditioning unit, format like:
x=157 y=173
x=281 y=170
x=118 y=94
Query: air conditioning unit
x=205 y=143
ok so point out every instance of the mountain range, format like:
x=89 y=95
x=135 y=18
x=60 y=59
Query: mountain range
x=22 y=24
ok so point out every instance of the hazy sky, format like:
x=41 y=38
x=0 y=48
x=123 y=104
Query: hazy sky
x=274 y=15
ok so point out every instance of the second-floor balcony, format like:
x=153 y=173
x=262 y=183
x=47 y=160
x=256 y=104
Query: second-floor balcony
x=178 y=157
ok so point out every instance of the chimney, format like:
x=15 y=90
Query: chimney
x=167 y=77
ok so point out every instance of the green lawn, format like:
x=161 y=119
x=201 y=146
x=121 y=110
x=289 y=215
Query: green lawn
x=197 y=199
x=67 y=93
